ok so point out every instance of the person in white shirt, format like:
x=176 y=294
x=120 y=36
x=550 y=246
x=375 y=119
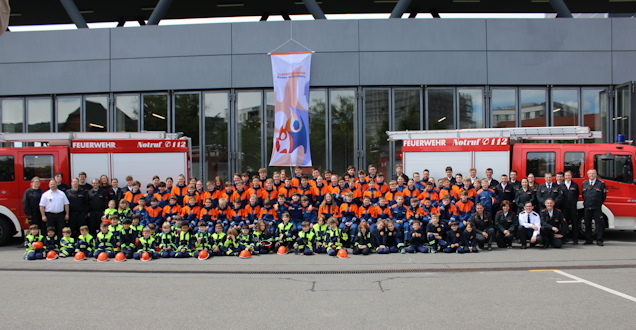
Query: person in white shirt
x=54 y=207
x=529 y=226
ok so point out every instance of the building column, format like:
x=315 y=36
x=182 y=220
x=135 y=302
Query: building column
x=561 y=8
x=400 y=8
x=160 y=11
x=74 y=14
x=314 y=9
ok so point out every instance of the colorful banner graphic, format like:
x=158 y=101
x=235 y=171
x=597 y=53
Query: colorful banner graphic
x=291 y=124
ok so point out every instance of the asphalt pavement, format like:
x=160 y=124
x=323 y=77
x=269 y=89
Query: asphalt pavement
x=582 y=286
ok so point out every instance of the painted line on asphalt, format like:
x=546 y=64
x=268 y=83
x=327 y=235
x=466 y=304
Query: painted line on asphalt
x=576 y=279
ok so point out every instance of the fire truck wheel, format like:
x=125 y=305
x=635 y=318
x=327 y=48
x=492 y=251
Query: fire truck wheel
x=6 y=230
x=582 y=225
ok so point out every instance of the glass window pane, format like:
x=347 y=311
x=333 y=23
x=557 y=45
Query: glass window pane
x=126 y=113
x=38 y=165
x=187 y=121
x=618 y=168
x=575 y=162
x=565 y=107
x=317 y=137
x=407 y=117
x=594 y=106
x=342 y=106
x=68 y=114
x=216 y=135
x=376 y=121
x=249 y=105
x=12 y=115
x=622 y=112
x=440 y=109
x=39 y=115
x=532 y=103
x=7 y=168
x=471 y=108
x=539 y=163
x=317 y=123
x=155 y=113
x=96 y=108
x=503 y=105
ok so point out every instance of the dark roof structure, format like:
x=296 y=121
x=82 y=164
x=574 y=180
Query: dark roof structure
x=34 y=12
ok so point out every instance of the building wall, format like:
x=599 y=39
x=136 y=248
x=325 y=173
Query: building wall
x=348 y=53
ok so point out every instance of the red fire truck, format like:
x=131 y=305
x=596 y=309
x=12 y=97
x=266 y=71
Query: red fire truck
x=117 y=155
x=502 y=150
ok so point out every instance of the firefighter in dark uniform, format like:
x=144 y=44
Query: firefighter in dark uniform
x=97 y=203
x=554 y=227
x=548 y=190
x=78 y=207
x=570 y=197
x=31 y=203
x=593 y=199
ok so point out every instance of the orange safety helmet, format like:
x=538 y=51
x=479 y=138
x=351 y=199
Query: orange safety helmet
x=136 y=241
x=203 y=255
x=103 y=256
x=51 y=255
x=145 y=256
x=343 y=254
x=38 y=245
x=120 y=257
x=79 y=256
x=245 y=254
x=282 y=250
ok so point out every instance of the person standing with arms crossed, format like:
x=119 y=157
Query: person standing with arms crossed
x=54 y=207
x=31 y=203
x=593 y=198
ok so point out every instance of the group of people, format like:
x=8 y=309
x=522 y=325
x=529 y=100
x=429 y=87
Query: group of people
x=309 y=214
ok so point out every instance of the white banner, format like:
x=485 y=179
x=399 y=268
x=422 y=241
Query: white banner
x=291 y=125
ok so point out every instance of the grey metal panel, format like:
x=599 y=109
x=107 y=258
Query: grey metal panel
x=414 y=34
x=176 y=40
x=624 y=67
x=260 y=37
x=549 y=34
x=251 y=71
x=423 y=68
x=335 y=69
x=319 y=35
x=623 y=34
x=54 y=77
x=549 y=68
x=82 y=44
x=171 y=73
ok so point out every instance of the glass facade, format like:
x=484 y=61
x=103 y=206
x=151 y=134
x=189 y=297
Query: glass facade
x=216 y=112
x=69 y=111
x=407 y=107
x=96 y=109
x=533 y=107
x=343 y=128
x=39 y=113
x=376 y=123
x=471 y=107
x=187 y=105
x=12 y=114
x=565 y=107
x=232 y=130
x=155 y=113
x=249 y=117
x=127 y=113
x=503 y=107
x=441 y=109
